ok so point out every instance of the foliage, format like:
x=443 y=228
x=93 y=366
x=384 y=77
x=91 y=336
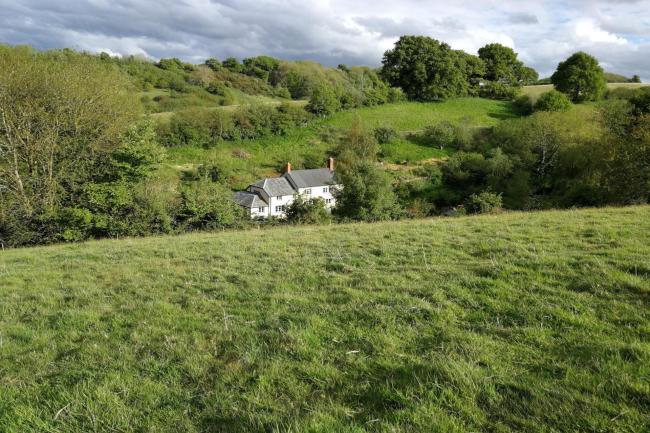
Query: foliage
x=552 y=101
x=523 y=105
x=385 y=134
x=502 y=65
x=425 y=69
x=207 y=206
x=307 y=211
x=497 y=90
x=580 y=77
x=323 y=101
x=484 y=202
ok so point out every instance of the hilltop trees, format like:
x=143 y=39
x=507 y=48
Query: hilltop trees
x=580 y=77
x=426 y=69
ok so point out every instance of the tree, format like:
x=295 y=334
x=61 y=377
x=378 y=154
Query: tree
x=580 y=77
x=425 y=69
x=635 y=79
x=323 y=101
x=552 y=101
x=367 y=194
x=501 y=64
x=307 y=211
x=57 y=119
x=527 y=76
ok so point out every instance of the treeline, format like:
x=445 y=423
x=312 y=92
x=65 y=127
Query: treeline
x=429 y=70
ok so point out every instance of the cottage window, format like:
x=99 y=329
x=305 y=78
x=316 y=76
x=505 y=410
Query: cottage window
x=279 y=198
x=328 y=200
x=261 y=209
x=279 y=208
x=308 y=191
x=326 y=189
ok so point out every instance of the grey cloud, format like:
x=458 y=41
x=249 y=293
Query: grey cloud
x=332 y=32
x=523 y=18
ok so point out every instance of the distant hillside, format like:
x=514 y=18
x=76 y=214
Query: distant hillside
x=531 y=322
x=609 y=76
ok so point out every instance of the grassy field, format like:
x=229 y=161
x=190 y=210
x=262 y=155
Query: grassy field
x=535 y=91
x=305 y=147
x=533 y=322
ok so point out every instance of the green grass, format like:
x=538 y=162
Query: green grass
x=304 y=147
x=534 y=322
x=414 y=116
x=535 y=91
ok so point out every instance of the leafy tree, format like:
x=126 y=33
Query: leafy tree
x=357 y=144
x=501 y=64
x=260 y=66
x=307 y=211
x=552 y=101
x=323 y=101
x=635 y=79
x=425 y=69
x=58 y=120
x=385 y=134
x=232 y=64
x=580 y=77
x=527 y=76
x=367 y=194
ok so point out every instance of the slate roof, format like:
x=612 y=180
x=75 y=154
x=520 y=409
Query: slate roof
x=249 y=199
x=311 y=178
x=275 y=186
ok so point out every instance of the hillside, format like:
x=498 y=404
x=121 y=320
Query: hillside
x=309 y=145
x=531 y=322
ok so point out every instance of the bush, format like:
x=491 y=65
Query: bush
x=307 y=211
x=523 y=105
x=441 y=135
x=385 y=135
x=323 y=101
x=208 y=205
x=552 y=101
x=484 y=202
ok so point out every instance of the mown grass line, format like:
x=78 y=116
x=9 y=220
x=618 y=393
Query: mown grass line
x=532 y=322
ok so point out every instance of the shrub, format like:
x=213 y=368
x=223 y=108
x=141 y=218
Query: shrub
x=523 y=105
x=385 y=135
x=209 y=205
x=323 y=101
x=484 y=202
x=442 y=135
x=552 y=101
x=307 y=211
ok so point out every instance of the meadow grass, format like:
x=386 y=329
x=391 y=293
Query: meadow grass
x=536 y=90
x=306 y=148
x=535 y=322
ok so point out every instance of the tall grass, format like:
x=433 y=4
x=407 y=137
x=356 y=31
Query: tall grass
x=536 y=322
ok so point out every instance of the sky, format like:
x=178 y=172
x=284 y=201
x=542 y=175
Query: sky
x=543 y=32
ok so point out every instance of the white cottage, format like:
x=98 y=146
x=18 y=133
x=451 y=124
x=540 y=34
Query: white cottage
x=269 y=197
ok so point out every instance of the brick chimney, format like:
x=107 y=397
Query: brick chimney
x=287 y=169
x=330 y=163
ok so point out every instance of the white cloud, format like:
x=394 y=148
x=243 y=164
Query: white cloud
x=587 y=32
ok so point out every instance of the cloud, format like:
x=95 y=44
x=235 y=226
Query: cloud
x=334 y=31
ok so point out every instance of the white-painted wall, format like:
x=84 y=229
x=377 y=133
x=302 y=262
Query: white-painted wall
x=274 y=202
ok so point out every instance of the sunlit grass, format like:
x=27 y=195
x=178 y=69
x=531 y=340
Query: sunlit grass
x=535 y=322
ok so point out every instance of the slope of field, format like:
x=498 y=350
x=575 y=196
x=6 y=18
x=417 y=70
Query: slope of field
x=533 y=322
x=535 y=91
x=306 y=147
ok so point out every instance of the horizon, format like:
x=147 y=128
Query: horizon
x=334 y=32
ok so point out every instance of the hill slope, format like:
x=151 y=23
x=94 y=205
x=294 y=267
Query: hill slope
x=519 y=322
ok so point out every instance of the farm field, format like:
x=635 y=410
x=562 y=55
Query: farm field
x=532 y=322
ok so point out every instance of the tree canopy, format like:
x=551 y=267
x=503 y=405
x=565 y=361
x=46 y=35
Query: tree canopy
x=580 y=77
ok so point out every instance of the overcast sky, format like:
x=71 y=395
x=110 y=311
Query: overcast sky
x=617 y=32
